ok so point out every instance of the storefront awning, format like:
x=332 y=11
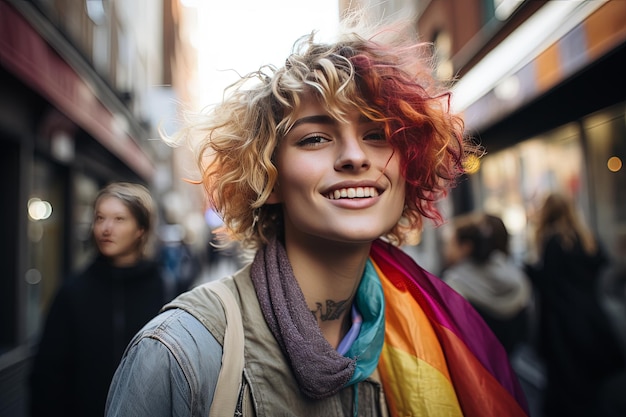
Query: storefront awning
x=30 y=58
x=560 y=39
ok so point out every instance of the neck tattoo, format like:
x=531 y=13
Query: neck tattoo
x=333 y=311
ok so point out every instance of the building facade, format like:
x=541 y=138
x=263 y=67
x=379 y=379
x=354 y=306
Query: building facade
x=541 y=88
x=540 y=85
x=84 y=86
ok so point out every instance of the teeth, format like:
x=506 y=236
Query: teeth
x=358 y=192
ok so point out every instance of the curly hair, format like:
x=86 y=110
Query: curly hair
x=387 y=81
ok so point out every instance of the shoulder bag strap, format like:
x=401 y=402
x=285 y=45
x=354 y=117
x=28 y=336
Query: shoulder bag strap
x=230 y=376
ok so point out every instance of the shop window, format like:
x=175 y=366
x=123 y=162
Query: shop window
x=515 y=181
x=606 y=138
x=46 y=241
x=9 y=172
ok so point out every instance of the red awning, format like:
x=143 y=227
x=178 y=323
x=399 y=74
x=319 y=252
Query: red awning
x=26 y=54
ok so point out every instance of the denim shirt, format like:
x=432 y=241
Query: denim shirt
x=172 y=365
x=165 y=367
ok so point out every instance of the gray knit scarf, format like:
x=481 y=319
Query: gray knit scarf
x=319 y=369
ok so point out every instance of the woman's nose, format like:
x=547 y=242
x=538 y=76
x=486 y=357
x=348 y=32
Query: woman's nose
x=352 y=155
x=106 y=226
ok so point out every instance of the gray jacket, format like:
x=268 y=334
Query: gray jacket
x=171 y=366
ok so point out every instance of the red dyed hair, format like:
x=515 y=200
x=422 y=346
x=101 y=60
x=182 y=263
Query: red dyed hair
x=428 y=138
x=387 y=81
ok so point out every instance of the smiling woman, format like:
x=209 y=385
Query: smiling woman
x=322 y=168
x=360 y=157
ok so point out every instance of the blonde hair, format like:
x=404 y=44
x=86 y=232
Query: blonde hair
x=558 y=217
x=388 y=81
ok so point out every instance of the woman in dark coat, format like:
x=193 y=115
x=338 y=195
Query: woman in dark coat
x=97 y=312
x=576 y=341
x=481 y=269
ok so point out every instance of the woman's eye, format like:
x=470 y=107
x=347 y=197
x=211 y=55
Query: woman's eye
x=378 y=135
x=313 y=140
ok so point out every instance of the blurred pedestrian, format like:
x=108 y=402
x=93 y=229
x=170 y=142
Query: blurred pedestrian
x=96 y=313
x=310 y=165
x=576 y=339
x=220 y=253
x=181 y=267
x=480 y=268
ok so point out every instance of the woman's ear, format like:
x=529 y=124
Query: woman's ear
x=141 y=234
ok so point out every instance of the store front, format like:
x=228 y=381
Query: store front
x=556 y=123
x=582 y=159
x=62 y=137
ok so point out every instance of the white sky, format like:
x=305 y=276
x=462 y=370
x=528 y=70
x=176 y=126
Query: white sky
x=246 y=34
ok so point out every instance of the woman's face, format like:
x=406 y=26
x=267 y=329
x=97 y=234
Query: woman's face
x=453 y=251
x=116 y=232
x=337 y=181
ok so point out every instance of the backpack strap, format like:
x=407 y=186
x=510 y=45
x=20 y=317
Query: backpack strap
x=230 y=376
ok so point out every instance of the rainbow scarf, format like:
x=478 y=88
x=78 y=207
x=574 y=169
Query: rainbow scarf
x=439 y=358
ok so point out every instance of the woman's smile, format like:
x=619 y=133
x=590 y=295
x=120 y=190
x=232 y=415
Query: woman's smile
x=347 y=163
x=352 y=193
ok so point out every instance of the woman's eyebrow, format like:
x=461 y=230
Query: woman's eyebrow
x=325 y=120
x=316 y=119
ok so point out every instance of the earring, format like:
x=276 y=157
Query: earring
x=255 y=217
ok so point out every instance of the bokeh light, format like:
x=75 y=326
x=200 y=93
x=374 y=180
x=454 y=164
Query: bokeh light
x=614 y=164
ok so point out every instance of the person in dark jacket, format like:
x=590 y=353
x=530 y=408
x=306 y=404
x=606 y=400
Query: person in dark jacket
x=96 y=313
x=481 y=269
x=580 y=349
